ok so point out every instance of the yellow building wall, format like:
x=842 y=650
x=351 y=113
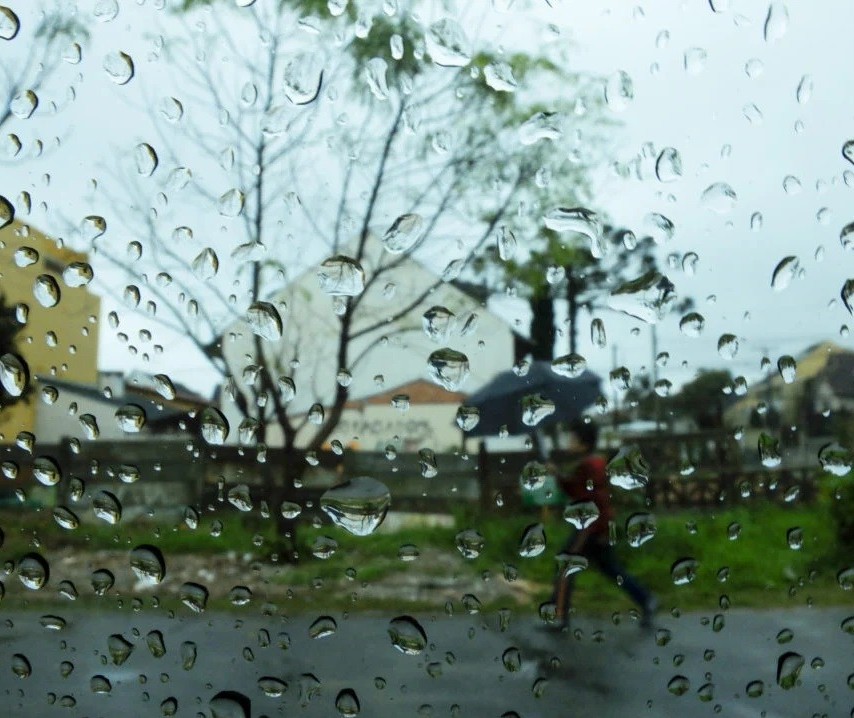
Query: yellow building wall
x=73 y=321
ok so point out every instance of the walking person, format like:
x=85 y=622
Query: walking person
x=588 y=482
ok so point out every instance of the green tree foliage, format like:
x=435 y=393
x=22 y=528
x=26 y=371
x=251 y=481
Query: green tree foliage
x=703 y=398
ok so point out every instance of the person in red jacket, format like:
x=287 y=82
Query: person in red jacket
x=588 y=482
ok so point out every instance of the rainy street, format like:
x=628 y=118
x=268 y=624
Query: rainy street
x=149 y=664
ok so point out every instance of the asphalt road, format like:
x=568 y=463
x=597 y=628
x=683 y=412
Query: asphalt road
x=468 y=668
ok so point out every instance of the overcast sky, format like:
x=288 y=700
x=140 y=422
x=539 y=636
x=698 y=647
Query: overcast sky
x=698 y=110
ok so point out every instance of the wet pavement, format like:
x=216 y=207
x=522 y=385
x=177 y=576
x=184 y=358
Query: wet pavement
x=691 y=665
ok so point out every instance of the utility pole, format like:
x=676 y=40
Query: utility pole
x=572 y=301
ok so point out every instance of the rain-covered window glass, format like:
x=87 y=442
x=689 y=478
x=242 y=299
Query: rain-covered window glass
x=426 y=357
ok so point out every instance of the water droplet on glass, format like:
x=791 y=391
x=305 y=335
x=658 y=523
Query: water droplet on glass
x=719 y=197
x=303 y=78
x=78 y=274
x=619 y=91
x=229 y=704
x=230 y=204
x=14 y=374
x=469 y=543
x=24 y=104
x=7 y=212
x=580 y=221
x=668 y=166
x=358 y=505
x=533 y=541
x=341 y=276
x=214 y=426
x=148 y=564
x=535 y=408
x=322 y=627
x=407 y=635
x=776 y=22
x=46 y=290
x=541 y=126
x=66 y=518
x=119 y=67
x=789 y=667
x=499 y=76
x=375 y=77
x=769 y=451
x=102 y=581
x=448 y=368
x=684 y=571
x=46 y=472
x=785 y=271
x=272 y=687
x=403 y=234
x=105 y=10
x=692 y=324
x=644 y=298
x=570 y=365
x=347 y=703
x=146 y=159
x=437 y=323
x=835 y=459
x=727 y=346
x=507 y=244
x=787 y=367
x=26 y=256
x=804 y=91
x=33 y=571
x=73 y=54
x=467 y=417
x=9 y=23
x=107 y=507
x=130 y=418
x=581 y=514
x=446 y=44
x=694 y=60
x=640 y=528
x=194 y=596
x=628 y=469
x=20 y=663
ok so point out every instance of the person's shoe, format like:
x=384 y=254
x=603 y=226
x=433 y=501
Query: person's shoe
x=649 y=611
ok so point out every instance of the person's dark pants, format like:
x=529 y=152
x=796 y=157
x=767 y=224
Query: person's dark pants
x=600 y=554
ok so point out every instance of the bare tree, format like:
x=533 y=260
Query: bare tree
x=347 y=163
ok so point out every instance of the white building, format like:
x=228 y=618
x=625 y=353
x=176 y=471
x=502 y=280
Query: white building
x=387 y=356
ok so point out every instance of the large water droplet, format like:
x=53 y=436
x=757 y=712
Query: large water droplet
x=358 y=505
x=341 y=276
x=33 y=571
x=24 y=104
x=240 y=497
x=541 y=126
x=130 y=418
x=787 y=366
x=407 y=635
x=659 y=227
x=507 y=244
x=719 y=197
x=448 y=368
x=347 y=703
x=835 y=459
x=146 y=159
x=9 y=23
x=776 y=22
x=230 y=204
x=580 y=221
x=789 y=667
x=46 y=290
x=535 y=408
x=728 y=346
x=570 y=365
x=619 y=91
x=14 y=374
x=7 y=212
x=684 y=571
x=499 y=76
x=214 y=426
x=785 y=271
x=303 y=78
x=403 y=234
x=78 y=274
x=194 y=596
x=322 y=627
x=668 y=166
x=679 y=685
x=20 y=663
x=640 y=528
x=628 y=469
x=848 y=151
x=644 y=298
x=148 y=564
x=375 y=77
x=92 y=227
x=437 y=323
x=65 y=518
x=467 y=417
x=581 y=514
x=107 y=507
x=119 y=67
x=692 y=324
x=469 y=543
x=46 y=471
x=769 y=451
x=533 y=541
x=102 y=581
x=446 y=44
